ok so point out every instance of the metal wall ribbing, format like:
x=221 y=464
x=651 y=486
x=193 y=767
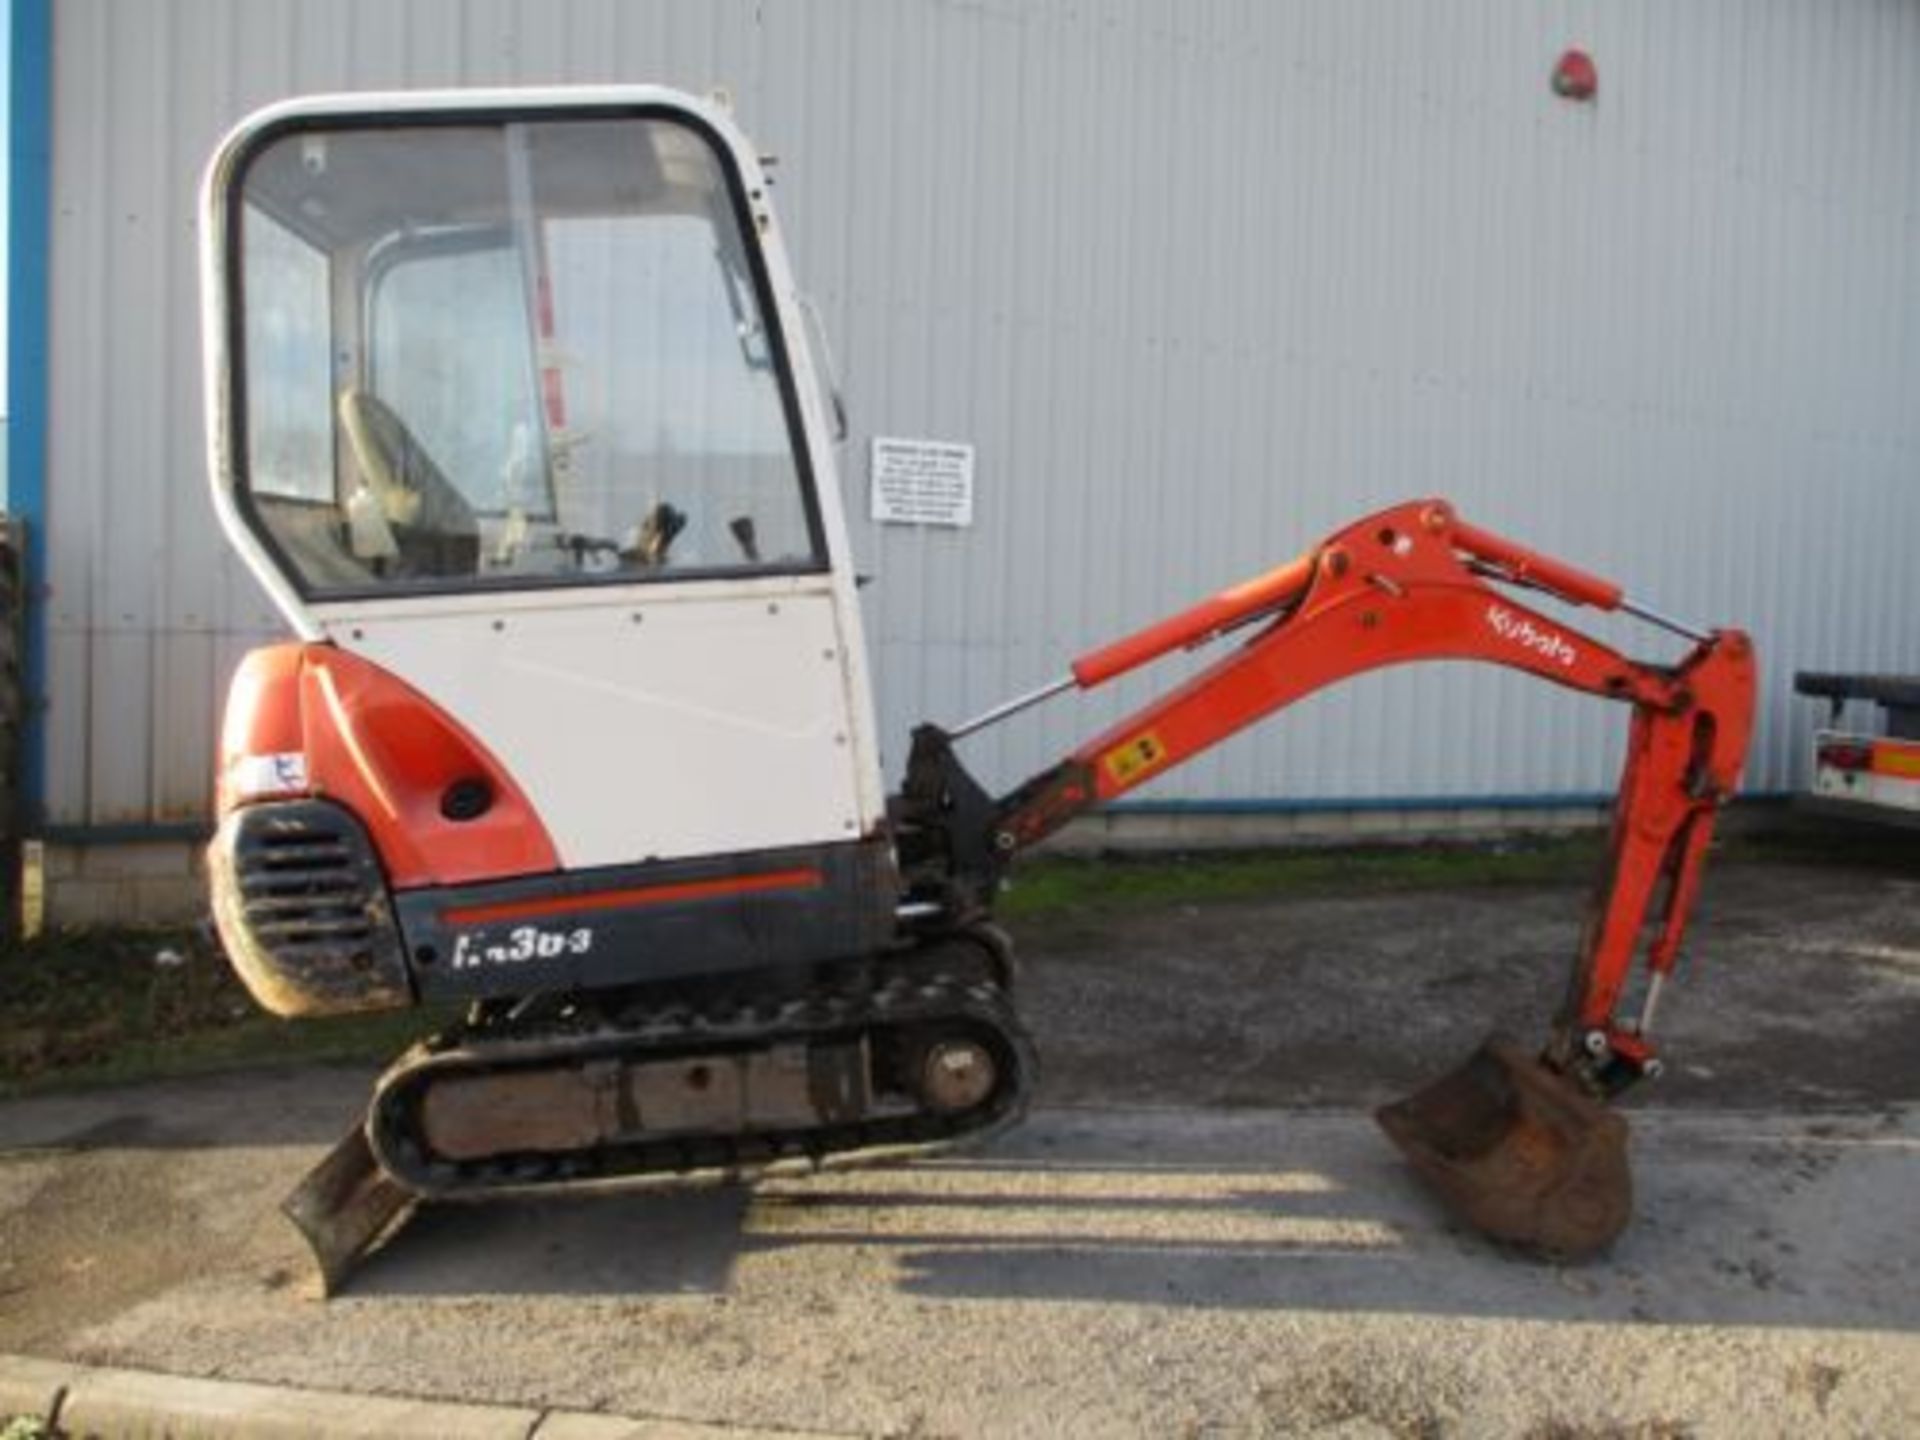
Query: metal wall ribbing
x=1200 y=281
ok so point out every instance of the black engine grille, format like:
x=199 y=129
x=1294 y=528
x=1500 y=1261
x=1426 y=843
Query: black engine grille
x=302 y=906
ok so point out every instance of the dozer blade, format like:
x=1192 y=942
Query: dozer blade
x=343 y=1207
x=1520 y=1152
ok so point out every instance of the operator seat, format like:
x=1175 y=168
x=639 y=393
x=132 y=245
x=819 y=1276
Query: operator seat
x=433 y=525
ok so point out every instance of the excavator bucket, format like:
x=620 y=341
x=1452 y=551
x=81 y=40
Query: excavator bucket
x=344 y=1206
x=1520 y=1152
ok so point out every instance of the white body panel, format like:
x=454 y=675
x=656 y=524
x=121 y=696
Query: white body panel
x=657 y=728
x=648 y=721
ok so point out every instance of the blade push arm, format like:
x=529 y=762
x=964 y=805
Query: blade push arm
x=1413 y=583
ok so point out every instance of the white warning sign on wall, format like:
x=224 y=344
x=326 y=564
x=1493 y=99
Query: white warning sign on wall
x=922 y=482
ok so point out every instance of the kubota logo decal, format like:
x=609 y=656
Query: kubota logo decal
x=1521 y=631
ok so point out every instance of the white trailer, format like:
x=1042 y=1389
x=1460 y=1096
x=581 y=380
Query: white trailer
x=1859 y=775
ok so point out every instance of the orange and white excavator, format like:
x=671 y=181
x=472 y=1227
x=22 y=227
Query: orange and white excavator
x=513 y=411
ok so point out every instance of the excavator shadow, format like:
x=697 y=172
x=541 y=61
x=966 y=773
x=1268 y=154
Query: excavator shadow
x=1186 y=1209
x=1002 y=1221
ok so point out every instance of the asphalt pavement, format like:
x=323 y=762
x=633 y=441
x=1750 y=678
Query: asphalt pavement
x=1198 y=1232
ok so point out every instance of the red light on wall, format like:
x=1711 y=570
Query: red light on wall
x=1574 y=77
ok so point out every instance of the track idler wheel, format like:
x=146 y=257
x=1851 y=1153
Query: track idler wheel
x=954 y=1074
x=1519 y=1151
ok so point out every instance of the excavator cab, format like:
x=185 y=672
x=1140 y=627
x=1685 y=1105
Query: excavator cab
x=515 y=420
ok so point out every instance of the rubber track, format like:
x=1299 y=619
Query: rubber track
x=911 y=990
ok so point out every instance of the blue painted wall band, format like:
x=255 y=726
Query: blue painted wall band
x=1334 y=804
x=29 y=222
x=1395 y=804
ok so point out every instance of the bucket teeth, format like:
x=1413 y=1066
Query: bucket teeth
x=1519 y=1151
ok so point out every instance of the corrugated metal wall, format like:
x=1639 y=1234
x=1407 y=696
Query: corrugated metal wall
x=1201 y=281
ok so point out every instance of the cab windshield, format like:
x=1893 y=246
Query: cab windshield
x=500 y=355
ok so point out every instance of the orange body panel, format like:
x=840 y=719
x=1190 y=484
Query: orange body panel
x=387 y=753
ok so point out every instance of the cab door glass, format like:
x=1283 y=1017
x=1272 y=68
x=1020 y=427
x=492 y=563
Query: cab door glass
x=547 y=360
x=670 y=401
x=447 y=326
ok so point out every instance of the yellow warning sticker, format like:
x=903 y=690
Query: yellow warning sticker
x=1131 y=759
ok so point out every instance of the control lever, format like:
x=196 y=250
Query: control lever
x=650 y=540
x=743 y=532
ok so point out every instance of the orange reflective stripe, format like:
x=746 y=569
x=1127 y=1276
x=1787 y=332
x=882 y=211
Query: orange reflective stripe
x=631 y=897
x=1900 y=761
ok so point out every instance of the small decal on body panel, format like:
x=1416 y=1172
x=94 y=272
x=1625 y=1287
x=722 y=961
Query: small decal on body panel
x=256 y=777
x=1521 y=631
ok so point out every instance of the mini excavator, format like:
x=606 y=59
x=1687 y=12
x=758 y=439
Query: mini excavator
x=514 y=411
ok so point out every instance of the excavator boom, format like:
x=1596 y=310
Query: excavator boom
x=1525 y=1148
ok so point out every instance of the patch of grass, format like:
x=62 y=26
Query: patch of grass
x=110 y=1006
x=1053 y=884
x=1056 y=884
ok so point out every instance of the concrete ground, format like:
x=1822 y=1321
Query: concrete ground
x=1198 y=1232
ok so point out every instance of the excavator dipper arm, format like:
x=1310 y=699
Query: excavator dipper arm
x=1415 y=583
